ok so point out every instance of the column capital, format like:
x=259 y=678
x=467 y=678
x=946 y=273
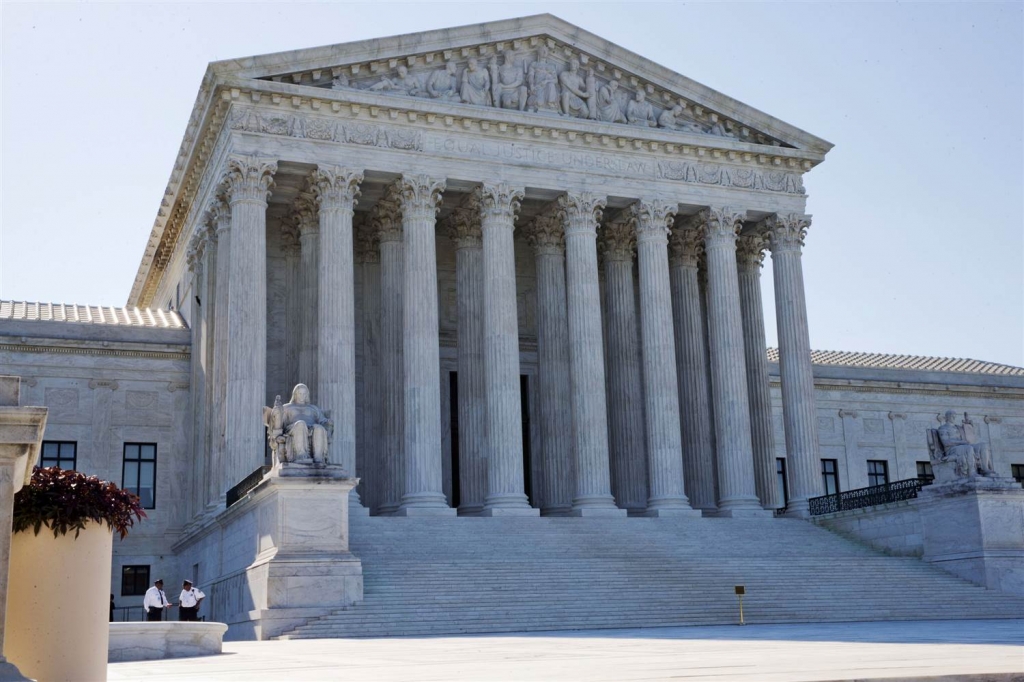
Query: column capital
x=721 y=223
x=386 y=216
x=194 y=252
x=651 y=218
x=219 y=213
x=786 y=231
x=249 y=178
x=582 y=211
x=367 y=239
x=500 y=201
x=304 y=214
x=290 y=244
x=335 y=187
x=617 y=241
x=463 y=225
x=546 y=233
x=686 y=242
x=420 y=196
x=750 y=248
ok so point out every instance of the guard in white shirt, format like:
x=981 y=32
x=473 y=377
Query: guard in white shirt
x=191 y=598
x=156 y=601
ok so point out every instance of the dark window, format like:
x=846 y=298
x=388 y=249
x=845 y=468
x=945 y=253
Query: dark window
x=878 y=472
x=59 y=453
x=139 y=472
x=924 y=473
x=134 y=581
x=830 y=475
x=453 y=407
x=780 y=479
x=524 y=406
x=1018 y=472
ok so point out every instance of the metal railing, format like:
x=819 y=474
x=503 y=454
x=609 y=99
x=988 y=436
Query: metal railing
x=865 y=497
x=781 y=511
x=125 y=614
x=245 y=485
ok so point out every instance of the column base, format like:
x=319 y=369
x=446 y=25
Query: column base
x=798 y=510
x=514 y=501
x=426 y=511
x=510 y=511
x=673 y=512
x=388 y=510
x=599 y=511
x=743 y=513
x=10 y=673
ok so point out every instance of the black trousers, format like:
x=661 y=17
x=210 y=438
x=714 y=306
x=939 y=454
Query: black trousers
x=154 y=613
x=188 y=613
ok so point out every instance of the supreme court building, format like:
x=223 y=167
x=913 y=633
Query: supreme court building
x=520 y=266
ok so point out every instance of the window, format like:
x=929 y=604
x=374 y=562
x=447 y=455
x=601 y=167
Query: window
x=878 y=472
x=134 y=581
x=780 y=480
x=59 y=453
x=924 y=473
x=139 y=472
x=1018 y=472
x=830 y=475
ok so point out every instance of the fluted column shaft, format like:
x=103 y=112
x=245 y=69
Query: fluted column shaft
x=728 y=369
x=586 y=356
x=387 y=219
x=420 y=196
x=370 y=408
x=336 y=190
x=661 y=389
x=197 y=261
x=248 y=186
x=309 y=279
x=786 y=234
x=627 y=453
x=464 y=230
x=505 y=486
x=749 y=254
x=547 y=236
x=217 y=484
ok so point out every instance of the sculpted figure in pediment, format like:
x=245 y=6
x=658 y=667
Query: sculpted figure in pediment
x=574 y=91
x=542 y=77
x=476 y=85
x=608 y=107
x=509 y=83
x=670 y=119
x=443 y=85
x=718 y=129
x=639 y=111
x=340 y=83
x=404 y=84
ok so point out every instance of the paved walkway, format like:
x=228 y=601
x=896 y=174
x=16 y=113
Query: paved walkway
x=755 y=653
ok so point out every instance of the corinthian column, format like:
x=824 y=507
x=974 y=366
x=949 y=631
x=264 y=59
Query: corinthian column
x=464 y=230
x=661 y=390
x=749 y=255
x=685 y=247
x=368 y=253
x=196 y=260
x=421 y=196
x=217 y=483
x=586 y=356
x=547 y=237
x=625 y=392
x=786 y=234
x=737 y=496
x=305 y=218
x=505 y=490
x=248 y=187
x=336 y=190
x=387 y=220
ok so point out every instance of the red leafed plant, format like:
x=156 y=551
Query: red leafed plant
x=64 y=500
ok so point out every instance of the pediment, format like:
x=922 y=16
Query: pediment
x=535 y=65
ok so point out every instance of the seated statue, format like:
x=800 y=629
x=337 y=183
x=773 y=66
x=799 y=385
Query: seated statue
x=298 y=431
x=956 y=451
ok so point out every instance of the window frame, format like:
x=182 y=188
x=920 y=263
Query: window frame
x=925 y=476
x=885 y=472
x=135 y=578
x=59 y=444
x=124 y=462
x=834 y=474
x=1017 y=471
x=780 y=463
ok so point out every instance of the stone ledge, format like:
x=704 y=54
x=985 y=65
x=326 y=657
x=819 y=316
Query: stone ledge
x=172 y=639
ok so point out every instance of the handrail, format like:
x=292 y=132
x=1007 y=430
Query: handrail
x=865 y=497
x=245 y=485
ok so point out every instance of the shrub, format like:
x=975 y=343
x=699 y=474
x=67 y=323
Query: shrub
x=64 y=500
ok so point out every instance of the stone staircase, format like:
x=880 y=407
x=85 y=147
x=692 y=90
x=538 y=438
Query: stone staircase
x=426 y=576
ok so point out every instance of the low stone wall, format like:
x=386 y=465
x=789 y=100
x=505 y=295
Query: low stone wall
x=174 y=639
x=893 y=528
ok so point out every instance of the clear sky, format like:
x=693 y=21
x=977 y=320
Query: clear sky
x=917 y=244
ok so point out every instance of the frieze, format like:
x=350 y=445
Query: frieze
x=326 y=130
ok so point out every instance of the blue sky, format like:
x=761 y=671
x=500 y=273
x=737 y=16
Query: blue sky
x=917 y=244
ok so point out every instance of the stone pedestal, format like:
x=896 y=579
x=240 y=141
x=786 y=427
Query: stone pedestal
x=974 y=528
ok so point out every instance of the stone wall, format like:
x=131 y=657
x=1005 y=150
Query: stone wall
x=892 y=528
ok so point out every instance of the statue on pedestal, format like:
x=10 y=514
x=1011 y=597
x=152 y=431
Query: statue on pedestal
x=298 y=431
x=956 y=452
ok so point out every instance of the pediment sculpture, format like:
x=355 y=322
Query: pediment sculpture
x=956 y=451
x=298 y=431
x=535 y=81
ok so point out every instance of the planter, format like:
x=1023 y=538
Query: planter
x=57 y=604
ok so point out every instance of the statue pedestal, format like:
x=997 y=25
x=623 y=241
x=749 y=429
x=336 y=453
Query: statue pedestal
x=974 y=528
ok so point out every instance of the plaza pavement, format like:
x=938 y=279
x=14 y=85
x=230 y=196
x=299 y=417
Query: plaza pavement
x=976 y=650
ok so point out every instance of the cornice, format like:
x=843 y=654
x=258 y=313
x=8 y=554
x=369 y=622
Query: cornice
x=916 y=389
x=180 y=353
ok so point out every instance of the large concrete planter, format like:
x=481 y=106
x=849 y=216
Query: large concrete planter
x=57 y=604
